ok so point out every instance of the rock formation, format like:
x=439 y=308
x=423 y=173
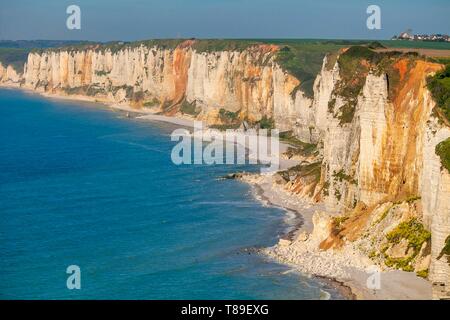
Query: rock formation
x=376 y=147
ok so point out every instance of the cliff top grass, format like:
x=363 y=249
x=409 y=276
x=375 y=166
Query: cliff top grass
x=16 y=57
x=303 y=59
x=439 y=86
x=15 y=53
x=215 y=45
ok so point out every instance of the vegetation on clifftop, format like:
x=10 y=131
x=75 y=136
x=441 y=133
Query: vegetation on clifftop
x=15 y=53
x=439 y=86
x=215 y=45
x=303 y=59
x=354 y=66
x=14 y=57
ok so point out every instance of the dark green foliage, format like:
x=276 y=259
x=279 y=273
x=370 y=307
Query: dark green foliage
x=416 y=235
x=298 y=147
x=445 y=250
x=137 y=96
x=443 y=151
x=376 y=45
x=411 y=230
x=101 y=73
x=215 y=45
x=337 y=194
x=338 y=222
x=228 y=119
x=228 y=116
x=303 y=59
x=189 y=108
x=89 y=90
x=423 y=273
x=309 y=170
x=152 y=103
x=14 y=57
x=354 y=66
x=439 y=86
x=326 y=189
x=347 y=111
x=35 y=44
x=342 y=176
x=266 y=123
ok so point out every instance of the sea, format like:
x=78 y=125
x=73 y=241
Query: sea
x=92 y=207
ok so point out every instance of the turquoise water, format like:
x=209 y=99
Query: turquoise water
x=81 y=185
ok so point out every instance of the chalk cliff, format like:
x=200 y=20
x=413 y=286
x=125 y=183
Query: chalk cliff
x=9 y=76
x=376 y=146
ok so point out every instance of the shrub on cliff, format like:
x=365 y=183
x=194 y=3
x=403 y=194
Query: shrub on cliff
x=411 y=230
x=189 y=108
x=415 y=234
x=445 y=250
x=439 y=86
x=443 y=151
x=266 y=123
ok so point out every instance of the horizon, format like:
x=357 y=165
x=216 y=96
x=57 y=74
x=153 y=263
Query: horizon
x=218 y=38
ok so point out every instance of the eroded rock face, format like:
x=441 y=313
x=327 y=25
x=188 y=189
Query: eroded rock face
x=247 y=82
x=435 y=192
x=382 y=148
x=383 y=155
x=8 y=75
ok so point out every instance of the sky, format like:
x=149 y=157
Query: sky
x=107 y=20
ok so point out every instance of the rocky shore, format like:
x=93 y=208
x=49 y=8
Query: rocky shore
x=308 y=225
x=346 y=267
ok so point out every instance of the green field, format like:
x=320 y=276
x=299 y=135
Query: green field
x=416 y=44
x=14 y=57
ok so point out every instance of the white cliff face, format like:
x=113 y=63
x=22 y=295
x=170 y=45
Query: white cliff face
x=323 y=88
x=373 y=123
x=8 y=75
x=386 y=153
x=340 y=141
x=433 y=189
x=381 y=150
x=233 y=81
x=246 y=81
x=435 y=192
x=292 y=109
x=159 y=73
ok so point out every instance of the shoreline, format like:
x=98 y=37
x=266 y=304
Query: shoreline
x=344 y=269
x=264 y=194
x=353 y=287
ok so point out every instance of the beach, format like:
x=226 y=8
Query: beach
x=298 y=249
x=346 y=267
